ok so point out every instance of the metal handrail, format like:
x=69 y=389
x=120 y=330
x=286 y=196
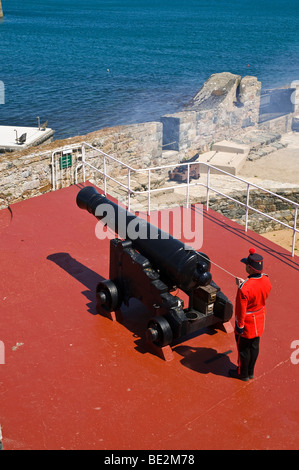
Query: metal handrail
x=58 y=151
x=187 y=186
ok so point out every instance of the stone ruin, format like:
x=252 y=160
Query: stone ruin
x=224 y=105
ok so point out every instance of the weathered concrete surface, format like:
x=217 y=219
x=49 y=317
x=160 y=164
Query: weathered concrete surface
x=33 y=137
x=231 y=147
x=227 y=161
x=280 y=166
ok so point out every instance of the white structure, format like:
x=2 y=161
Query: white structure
x=14 y=138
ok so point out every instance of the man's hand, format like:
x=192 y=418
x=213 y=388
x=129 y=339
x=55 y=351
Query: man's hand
x=239 y=281
x=239 y=330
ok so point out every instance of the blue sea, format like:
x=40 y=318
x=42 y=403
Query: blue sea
x=88 y=64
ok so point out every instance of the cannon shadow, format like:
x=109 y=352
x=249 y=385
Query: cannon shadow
x=134 y=317
x=81 y=273
x=205 y=360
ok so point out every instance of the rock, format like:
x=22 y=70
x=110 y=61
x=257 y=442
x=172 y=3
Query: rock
x=219 y=88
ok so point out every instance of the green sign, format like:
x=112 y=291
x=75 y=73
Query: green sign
x=66 y=161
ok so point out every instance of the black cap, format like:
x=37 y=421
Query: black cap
x=254 y=260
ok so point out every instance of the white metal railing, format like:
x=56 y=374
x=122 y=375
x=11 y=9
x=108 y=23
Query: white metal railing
x=187 y=185
x=61 y=174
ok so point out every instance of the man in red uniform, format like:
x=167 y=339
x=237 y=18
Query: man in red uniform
x=250 y=313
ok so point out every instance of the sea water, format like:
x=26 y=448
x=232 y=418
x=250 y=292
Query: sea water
x=88 y=64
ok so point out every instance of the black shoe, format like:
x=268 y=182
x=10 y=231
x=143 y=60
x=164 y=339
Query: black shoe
x=234 y=374
x=251 y=376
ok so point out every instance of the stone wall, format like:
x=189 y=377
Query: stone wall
x=29 y=173
x=264 y=202
x=23 y=177
x=282 y=124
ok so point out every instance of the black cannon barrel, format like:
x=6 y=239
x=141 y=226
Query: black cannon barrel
x=185 y=268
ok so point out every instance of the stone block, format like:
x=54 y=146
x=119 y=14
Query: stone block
x=231 y=147
x=29 y=185
x=178 y=129
x=229 y=162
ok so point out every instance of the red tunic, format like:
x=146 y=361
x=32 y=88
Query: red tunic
x=250 y=304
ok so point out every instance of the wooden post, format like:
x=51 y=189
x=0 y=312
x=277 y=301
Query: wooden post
x=1 y=10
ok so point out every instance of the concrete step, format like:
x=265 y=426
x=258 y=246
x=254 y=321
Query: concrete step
x=231 y=147
x=229 y=162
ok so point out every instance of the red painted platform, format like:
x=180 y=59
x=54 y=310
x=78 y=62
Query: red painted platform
x=76 y=380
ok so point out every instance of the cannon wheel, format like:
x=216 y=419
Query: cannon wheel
x=108 y=295
x=159 y=331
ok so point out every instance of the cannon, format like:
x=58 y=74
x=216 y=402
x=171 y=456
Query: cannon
x=150 y=267
x=181 y=173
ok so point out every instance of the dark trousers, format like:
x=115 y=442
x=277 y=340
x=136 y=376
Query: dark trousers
x=248 y=352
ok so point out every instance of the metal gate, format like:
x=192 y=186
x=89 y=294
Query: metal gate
x=64 y=163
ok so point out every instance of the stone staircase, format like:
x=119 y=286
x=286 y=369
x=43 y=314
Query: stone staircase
x=261 y=143
x=230 y=155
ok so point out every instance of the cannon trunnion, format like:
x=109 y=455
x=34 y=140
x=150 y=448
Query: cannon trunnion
x=150 y=269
